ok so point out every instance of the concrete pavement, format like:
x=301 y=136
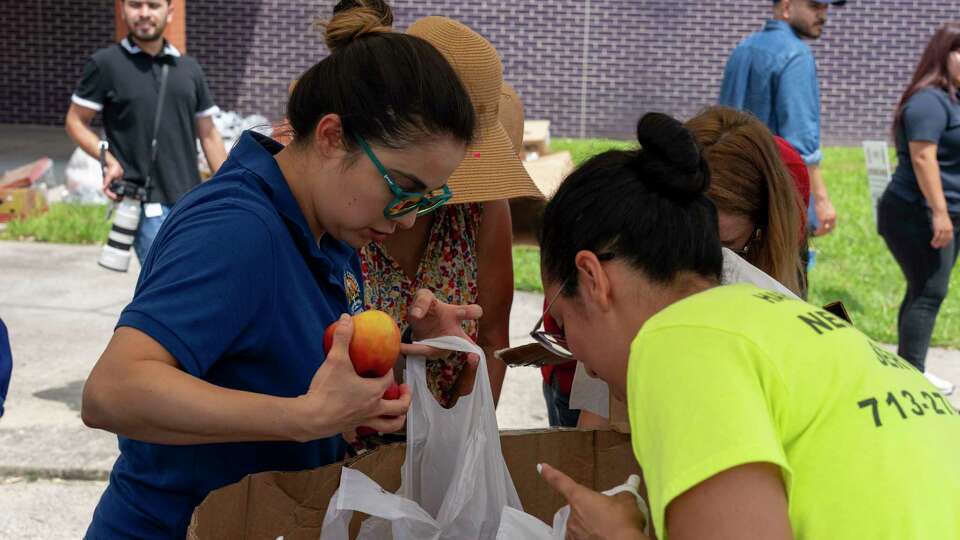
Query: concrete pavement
x=60 y=308
x=47 y=509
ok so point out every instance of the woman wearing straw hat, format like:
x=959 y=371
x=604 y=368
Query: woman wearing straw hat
x=217 y=367
x=462 y=251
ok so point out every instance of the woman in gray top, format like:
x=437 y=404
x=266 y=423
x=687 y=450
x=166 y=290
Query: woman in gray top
x=918 y=214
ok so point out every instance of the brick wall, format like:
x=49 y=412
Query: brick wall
x=43 y=45
x=592 y=67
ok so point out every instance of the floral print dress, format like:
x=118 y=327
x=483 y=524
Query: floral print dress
x=448 y=268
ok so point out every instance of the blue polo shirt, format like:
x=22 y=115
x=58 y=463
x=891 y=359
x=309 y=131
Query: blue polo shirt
x=772 y=74
x=237 y=289
x=6 y=364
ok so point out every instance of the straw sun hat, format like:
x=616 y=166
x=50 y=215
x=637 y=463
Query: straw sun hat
x=511 y=116
x=491 y=169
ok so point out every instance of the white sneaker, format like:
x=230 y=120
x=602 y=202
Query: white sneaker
x=943 y=386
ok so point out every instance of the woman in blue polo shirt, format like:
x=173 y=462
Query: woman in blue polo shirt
x=919 y=212
x=216 y=369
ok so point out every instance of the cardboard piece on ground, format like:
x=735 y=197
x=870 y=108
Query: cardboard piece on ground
x=21 y=203
x=292 y=505
x=25 y=175
x=18 y=199
x=547 y=173
x=536 y=137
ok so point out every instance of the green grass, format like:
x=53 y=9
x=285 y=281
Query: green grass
x=852 y=264
x=62 y=224
x=583 y=149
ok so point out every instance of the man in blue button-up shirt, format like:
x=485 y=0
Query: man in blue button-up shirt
x=772 y=74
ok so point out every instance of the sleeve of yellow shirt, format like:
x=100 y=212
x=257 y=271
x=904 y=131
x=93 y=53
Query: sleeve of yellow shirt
x=701 y=401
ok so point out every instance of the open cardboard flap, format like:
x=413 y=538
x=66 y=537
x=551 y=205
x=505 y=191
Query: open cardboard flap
x=292 y=504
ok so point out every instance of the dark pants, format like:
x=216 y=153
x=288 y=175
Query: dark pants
x=558 y=405
x=907 y=230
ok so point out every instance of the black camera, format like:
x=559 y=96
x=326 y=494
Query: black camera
x=128 y=188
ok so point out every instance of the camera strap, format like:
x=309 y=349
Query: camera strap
x=164 y=72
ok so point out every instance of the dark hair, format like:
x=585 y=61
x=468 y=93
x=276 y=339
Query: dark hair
x=389 y=88
x=380 y=6
x=647 y=206
x=932 y=68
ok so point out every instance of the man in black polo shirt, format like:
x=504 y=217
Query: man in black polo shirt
x=123 y=81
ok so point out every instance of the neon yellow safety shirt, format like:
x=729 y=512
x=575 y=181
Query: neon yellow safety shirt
x=736 y=374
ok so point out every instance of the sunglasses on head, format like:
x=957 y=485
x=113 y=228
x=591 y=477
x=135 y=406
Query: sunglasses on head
x=556 y=342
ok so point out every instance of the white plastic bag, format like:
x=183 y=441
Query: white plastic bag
x=736 y=269
x=84 y=178
x=454 y=468
x=357 y=492
x=515 y=525
x=520 y=526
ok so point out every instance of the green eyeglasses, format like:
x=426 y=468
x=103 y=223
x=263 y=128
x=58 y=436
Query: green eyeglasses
x=405 y=202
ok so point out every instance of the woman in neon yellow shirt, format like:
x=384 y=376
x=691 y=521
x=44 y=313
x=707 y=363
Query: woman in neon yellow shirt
x=752 y=415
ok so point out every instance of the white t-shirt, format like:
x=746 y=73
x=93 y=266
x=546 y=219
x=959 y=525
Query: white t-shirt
x=590 y=394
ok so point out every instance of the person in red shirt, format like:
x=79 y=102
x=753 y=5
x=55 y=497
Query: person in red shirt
x=797 y=169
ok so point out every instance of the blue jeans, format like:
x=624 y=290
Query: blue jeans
x=907 y=230
x=558 y=405
x=812 y=220
x=149 y=227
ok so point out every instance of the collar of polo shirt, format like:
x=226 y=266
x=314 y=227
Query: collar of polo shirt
x=133 y=48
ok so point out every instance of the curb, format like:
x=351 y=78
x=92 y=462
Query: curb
x=47 y=473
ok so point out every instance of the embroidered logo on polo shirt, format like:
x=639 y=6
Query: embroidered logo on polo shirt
x=352 y=289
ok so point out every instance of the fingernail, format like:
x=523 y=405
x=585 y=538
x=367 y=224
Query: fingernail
x=539 y=468
x=344 y=317
x=416 y=312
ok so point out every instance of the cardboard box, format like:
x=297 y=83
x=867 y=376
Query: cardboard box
x=547 y=172
x=292 y=505
x=619 y=419
x=26 y=175
x=21 y=203
x=536 y=137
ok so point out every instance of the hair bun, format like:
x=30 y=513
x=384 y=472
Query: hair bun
x=349 y=25
x=671 y=156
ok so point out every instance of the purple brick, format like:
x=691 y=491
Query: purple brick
x=642 y=55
